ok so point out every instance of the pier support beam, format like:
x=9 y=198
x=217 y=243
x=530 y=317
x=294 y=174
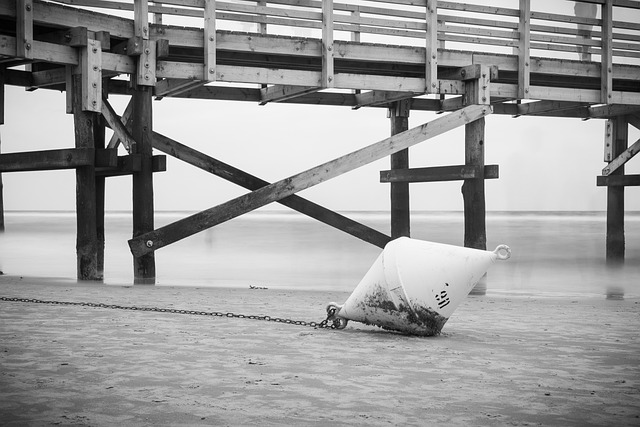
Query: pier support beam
x=400 y=208
x=475 y=233
x=615 y=195
x=144 y=269
x=86 y=213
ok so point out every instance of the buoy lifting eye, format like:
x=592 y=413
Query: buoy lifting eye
x=503 y=252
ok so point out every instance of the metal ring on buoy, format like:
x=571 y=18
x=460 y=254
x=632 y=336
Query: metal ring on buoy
x=503 y=252
x=340 y=323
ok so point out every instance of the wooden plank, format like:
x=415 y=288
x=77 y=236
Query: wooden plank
x=327 y=79
x=68 y=158
x=181 y=229
x=524 y=49
x=608 y=140
x=440 y=173
x=124 y=119
x=376 y=97
x=431 y=50
x=86 y=210
x=399 y=191
x=146 y=70
x=279 y=93
x=173 y=87
x=622 y=158
x=618 y=181
x=24 y=28
x=634 y=120
x=210 y=40
x=117 y=124
x=91 y=72
x=606 y=60
x=243 y=179
x=144 y=264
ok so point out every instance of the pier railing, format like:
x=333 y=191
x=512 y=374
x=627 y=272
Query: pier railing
x=477 y=27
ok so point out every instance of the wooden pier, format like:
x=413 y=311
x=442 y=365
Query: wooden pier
x=465 y=60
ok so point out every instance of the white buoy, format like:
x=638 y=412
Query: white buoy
x=414 y=286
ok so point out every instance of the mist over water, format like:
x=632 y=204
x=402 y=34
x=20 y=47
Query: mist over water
x=553 y=253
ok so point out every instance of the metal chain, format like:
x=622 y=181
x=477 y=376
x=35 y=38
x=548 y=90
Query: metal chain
x=322 y=325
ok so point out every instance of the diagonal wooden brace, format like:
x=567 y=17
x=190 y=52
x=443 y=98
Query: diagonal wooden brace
x=246 y=180
x=186 y=227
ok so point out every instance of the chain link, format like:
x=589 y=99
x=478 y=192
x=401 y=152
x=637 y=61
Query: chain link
x=322 y=325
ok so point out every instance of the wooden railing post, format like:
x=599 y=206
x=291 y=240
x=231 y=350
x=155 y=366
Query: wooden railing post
x=327 y=44
x=431 y=56
x=606 y=57
x=524 y=51
x=210 y=40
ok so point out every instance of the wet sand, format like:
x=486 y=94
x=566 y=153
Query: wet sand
x=501 y=360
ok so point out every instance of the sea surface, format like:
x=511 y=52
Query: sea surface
x=553 y=253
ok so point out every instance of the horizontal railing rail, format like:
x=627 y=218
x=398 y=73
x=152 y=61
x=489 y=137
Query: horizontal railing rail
x=467 y=26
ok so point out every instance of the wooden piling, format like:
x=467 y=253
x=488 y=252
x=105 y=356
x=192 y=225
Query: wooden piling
x=400 y=207
x=144 y=265
x=615 y=196
x=99 y=134
x=2 y=74
x=475 y=233
x=86 y=241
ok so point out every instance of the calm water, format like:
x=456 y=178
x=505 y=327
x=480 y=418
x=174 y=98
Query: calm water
x=552 y=252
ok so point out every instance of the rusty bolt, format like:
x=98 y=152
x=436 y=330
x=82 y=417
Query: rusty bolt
x=144 y=29
x=146 y=77
x=149 y=243
x=95 y=68
x=94 y=50
x=94 y=85
x=146 y=65
x=484 y=99
x=28 y=7
x=211 y=38
x=147 y=51
x=211 y=71
x=94 y=103
x=433 y=85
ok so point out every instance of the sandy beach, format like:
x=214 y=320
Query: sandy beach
x=501 y=360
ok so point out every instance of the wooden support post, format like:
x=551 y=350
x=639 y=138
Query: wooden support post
x=144 y=265
x=524 y=28
x=475 y=234
x=2 y=73
x=606 y=57
x=209 y=40
x=87 y=241
x=24 y=29
x=431 y=59
x=100 y=144
x=327 y=44
x=400 y=207
x=200 y=221
x=615 y=197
